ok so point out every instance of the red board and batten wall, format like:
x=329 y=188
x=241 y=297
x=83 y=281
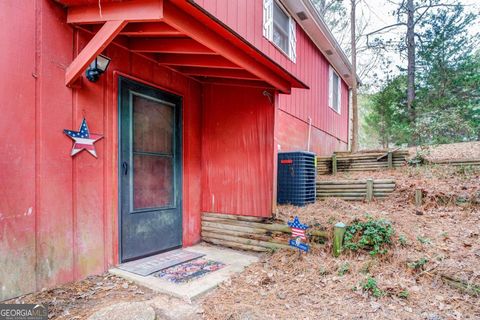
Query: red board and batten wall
x=329 y=129
x=58 y=214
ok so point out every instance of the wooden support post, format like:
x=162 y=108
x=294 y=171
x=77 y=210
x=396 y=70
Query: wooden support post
x=390 y=160
x=338 y=233
x=418 y=197
x=99 y=42
x=334 y=164
x=369 y=190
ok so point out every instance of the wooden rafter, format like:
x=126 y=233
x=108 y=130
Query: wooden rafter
x=150 y=29
x=168 y=45
x=237 y=82
x=96 y=45
x=193 y=28
x=218 y=73
x=196 y=60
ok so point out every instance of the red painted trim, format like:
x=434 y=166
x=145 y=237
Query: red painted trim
x=169 y=45
x=150 y=29
x=198 y=60
x=219 y=73
x=132 y=11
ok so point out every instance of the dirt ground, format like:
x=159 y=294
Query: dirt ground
x=463 y=150
x=444 y=232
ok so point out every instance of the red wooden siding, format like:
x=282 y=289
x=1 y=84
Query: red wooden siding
x=311 y=67
x=59 y=215
x=237 y=143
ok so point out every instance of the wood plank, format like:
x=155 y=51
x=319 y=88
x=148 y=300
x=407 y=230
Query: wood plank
x=254 y=236
x=150 y=29
x=233 y=227
x=233 y=217
x=362 y=181
x=168 y=45
x=132 y=11
x=266 y=244
x=218 y=73
x=196 y=60
x=235 y=245
x=94 y=47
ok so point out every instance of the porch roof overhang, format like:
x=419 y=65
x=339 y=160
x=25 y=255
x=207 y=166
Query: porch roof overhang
x=177 y=34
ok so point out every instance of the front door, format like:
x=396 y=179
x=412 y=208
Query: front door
x=150 y=170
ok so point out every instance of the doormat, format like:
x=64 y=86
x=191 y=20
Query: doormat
x=149 y=265
x=188 y=271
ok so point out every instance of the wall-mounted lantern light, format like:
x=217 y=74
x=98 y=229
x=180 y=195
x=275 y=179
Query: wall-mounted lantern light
x=97 y=67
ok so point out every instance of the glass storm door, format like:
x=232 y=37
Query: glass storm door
x=150 y=171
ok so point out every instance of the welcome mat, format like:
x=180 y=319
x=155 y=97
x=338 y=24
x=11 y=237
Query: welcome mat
x=149 y=265
x=189 y=270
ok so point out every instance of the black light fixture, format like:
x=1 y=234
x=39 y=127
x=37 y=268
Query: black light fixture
x=97 y=67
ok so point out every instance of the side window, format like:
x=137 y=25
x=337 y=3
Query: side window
x=334 y=90
x=279 y=28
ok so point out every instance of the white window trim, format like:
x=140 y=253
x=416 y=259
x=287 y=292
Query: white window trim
x=268 y=29
x=330 y=90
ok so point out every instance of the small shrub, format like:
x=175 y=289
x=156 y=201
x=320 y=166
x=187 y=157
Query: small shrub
x=370 y=286
x=372 y=235
x=404 y=294
x=403 y=240
x=344 y=269
x=418 y=264
x=424 y=240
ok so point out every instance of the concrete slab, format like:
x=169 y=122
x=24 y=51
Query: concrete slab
x=125 y=311
x=235 y=262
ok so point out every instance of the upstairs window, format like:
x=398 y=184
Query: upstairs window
x=334 y=91
x=279 y=28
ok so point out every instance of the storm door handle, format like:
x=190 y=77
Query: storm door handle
x=125 y=168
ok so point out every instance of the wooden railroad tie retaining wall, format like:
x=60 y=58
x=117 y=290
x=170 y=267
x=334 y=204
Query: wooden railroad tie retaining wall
x=247 y=233
x=463 y=162
x=355 y=189
x=341 y=162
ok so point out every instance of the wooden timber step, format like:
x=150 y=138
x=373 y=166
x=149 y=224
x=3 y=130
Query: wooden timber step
x=247 y=232
x=355 y=189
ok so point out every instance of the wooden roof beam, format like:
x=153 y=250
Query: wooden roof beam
x=198 y=31
x=196 y=60
x=131 y=11
x=237 y=82
x=150 y=29
x=168 y=45
x=217 y=73
x=96 y=45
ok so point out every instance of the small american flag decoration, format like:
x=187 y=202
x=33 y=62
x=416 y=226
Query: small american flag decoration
x=298 y=234
x=84 y=140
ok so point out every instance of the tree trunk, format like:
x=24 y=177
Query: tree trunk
x=411 y=69
x=354 y=79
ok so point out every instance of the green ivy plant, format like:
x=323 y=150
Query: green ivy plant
x=372 y=235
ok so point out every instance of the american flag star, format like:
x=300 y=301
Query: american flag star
x=83 y=139
x=298 y=229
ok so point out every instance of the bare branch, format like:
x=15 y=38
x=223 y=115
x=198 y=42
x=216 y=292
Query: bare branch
x=387 y=27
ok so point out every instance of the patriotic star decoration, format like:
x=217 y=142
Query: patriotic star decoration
x=298 y=228
x=84 y=140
